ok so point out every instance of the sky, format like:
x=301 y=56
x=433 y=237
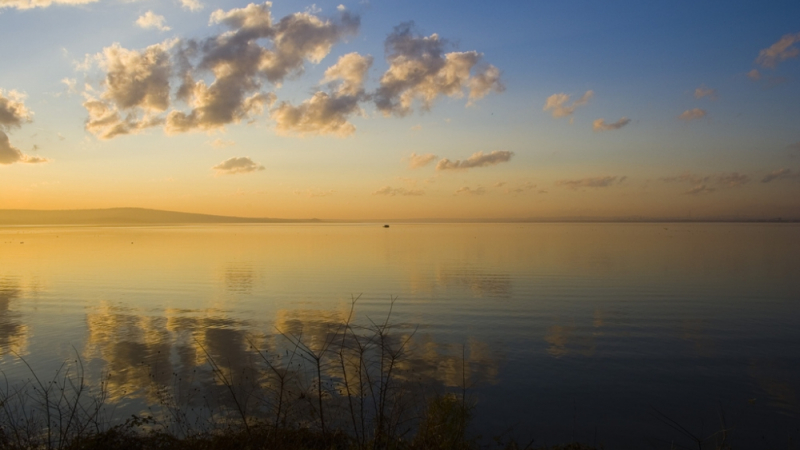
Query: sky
x=390 y=109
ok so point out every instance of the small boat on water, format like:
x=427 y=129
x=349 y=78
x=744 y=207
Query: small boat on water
x=386 y=226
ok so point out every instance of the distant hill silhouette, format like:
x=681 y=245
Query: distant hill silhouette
x=121 y=216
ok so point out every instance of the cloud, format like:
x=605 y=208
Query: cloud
x=478 y=159
x=778 y=175
x=192 y=5
x=699 y=189
x=152 y=20
x=236 y=165
x=557 y=104
x=692 y=114
x=13 y=112
x=416 y=161
x=219 y=143
x=732 y=179
x=468 y=191
x=703 y=91
x=754 y=75
x=591 y=182
x=29 y=4
x=686 y=177
x=391 y=192
x=601 y=125
x=136 y=88
x=240 y=65
x=328 y=113
x=419 y=69
x=314 y=192
x=780 y=51
x=10 y=154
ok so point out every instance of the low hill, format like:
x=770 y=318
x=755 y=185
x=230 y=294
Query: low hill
x=121 y=216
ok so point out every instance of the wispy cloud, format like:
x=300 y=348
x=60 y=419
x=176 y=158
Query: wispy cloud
x=420 y=69
x=219 y=143
x=465 y=190
x=754 y=75
x=416 y=161
x=315 y=192
x=779 y=174
x=601 y=125
x=391 y=192
x=152 y=20
x=557 y=104
x=703 y=91
x=693 y=114
x=591 y=182
x=699 y=189
x=780 y=51
x=732 y=179
x=478 y=159
x=237 y=165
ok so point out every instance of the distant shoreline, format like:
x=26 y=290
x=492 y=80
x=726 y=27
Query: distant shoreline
x=142 y=216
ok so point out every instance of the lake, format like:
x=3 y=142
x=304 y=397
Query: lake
x=576 y=331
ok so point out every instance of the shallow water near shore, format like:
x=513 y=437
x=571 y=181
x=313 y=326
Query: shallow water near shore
x=562 y=331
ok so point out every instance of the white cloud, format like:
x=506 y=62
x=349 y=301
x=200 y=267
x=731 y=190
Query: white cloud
x=419 y=69
x=237 y=165
x=780 y=51
x=416 y=161
x=591 y=182
x=478 y=159
x=391 y=192
x=557 y=104
x=192 y=5
x=703 y=91
x=29 y=4
x=693 y=114
x=601 y=125
x=152 y=20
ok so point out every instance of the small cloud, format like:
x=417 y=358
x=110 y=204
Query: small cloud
x=591 y=182
x=693 y=114
x=340 y=8
x=391 y=192
x=601 y=125
x=478 y=159
x=468 y=191
x=416 y=127
x=192 y=5
x=13 y=112
x=219 y=143
x=780 y=51
x=61 y=137
x=237 y=165
x=314 y=192
x=71 y=84
x=28 y=4
x=754 y=75
x=500 y=184
x=687 y=177
x=557 y=104
x=733 y=179
x=778 y=175
x=10 y=154
x=703 y=91
x=699 y=189
x=416 y=161
x=152 y=20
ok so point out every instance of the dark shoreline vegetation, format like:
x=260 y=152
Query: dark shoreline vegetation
x=351 y=387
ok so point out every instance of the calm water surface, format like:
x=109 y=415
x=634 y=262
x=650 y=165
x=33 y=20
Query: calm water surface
x=569 y=331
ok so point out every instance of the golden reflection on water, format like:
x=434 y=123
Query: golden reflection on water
x=13 y=332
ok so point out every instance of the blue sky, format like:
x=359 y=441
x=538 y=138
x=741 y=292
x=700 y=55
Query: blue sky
x=647 y=64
